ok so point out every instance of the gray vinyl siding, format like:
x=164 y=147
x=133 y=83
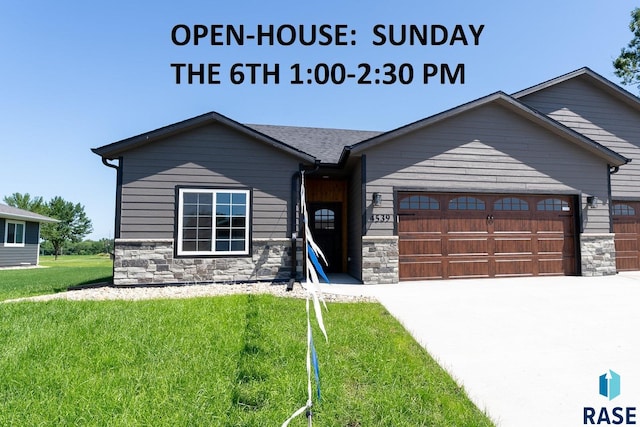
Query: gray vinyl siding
x=601 y=117
x=25 y=255
x=487 y=149
x=32 y=233
x=354 y=224
x=210 y=156
x=18 y=256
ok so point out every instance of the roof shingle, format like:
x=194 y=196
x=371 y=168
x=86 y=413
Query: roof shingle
x=325 y=145
x=10 y=212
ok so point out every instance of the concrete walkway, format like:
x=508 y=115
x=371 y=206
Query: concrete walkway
x=530 y=351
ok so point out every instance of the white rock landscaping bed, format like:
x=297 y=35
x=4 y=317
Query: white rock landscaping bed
x=188 y=291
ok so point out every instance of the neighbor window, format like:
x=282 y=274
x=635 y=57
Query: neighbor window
x=14 y=233
x=213 y=222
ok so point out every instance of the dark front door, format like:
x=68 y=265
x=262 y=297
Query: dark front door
x=325 y=223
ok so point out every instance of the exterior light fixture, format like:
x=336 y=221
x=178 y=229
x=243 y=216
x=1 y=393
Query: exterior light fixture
x=377 y=199
x=592 y=201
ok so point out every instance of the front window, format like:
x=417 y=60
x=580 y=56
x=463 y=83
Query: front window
x=14 y=233
x=213 y=222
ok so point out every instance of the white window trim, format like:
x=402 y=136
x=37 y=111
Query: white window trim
x=213 y=252
x=6 y=233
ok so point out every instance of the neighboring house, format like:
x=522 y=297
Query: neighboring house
x=588 y=103
x=530 y=184
x=20 y=236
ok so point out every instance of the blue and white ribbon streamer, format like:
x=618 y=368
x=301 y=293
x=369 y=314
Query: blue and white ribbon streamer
x=313 y=255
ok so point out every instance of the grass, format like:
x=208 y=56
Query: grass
x=56 y=277
x=226 y=361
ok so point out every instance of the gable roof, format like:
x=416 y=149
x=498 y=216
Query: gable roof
x=113 y=150
x=593 y=78
x=511 y=103
x=10 y=212
x=324 y=144
x=333 y=146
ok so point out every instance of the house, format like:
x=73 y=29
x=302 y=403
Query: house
x=535 y=183
x=20 y=236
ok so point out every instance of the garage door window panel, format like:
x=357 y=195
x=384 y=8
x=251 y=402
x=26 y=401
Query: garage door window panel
x=465 y=203
x=416 y=202
x=621 y=209
x=552 y=205
x=510 y=204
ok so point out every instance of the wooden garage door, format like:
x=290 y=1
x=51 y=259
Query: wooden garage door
x=478 y=235
x=626 y=226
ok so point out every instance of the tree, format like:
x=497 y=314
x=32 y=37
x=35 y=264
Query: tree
x=627 y=65
x=73 y=226
x=24 y=201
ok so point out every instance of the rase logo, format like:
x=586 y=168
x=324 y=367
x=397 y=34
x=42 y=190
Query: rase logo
x=609 y=387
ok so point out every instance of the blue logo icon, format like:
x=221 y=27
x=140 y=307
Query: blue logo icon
x=610 y=385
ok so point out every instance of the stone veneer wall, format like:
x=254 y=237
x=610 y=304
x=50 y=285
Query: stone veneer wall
x=598 y=254
x=152 y=261
x=380 y=260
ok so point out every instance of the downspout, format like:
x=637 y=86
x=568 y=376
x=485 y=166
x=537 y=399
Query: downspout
x=292 y=227
x=612 y=170
x=118 y=169
x=116 y=225
x=105 y=162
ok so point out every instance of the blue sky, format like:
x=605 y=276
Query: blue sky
x=78 y=75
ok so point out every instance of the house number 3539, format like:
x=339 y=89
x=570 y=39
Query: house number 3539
x=380 y=218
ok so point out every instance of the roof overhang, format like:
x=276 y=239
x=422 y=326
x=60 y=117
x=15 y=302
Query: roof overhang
x=114 y=150
x=500 y=98
x=594 y=78
x=9 y=212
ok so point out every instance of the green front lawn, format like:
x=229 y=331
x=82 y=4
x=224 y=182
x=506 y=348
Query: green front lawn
x=224 y=361
x=55 y=275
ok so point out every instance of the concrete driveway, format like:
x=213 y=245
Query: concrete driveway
x=529 y=351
